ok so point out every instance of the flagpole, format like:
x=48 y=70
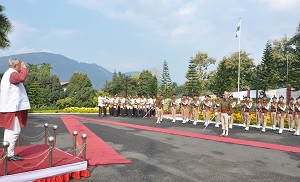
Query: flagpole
x=239 y=67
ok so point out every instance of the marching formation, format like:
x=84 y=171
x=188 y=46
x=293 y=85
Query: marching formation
x=223 y=109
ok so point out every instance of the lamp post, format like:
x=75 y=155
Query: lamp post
x=287 y=67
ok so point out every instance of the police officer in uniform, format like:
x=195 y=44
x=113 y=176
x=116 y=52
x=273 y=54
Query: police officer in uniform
x=281 y=106
x=232 y=103
x=217 y=110
x=264 y=115
x=225 y=110
x=173 y=106
x=297 y=116
x=207 y=104
x=196 y=104
x=273 y=111
x=291 y=109
x=247 y=112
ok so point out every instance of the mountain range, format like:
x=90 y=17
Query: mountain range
x=63 y=67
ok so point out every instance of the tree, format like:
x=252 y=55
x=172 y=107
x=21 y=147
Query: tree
x=203 y=61
x=35 y=95
x=49 y=84
x=147 y=84
x=294 y=71
x=80 y=90
x=220 y=81
x=192 y=85
x=227 y=73
x=5 y=29
x=268 y=77
x=166 y=81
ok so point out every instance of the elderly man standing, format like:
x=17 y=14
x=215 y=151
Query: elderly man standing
x=14 y=104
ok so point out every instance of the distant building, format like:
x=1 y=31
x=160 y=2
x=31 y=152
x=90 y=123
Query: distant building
x=64 y=85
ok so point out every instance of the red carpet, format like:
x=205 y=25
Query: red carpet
x=98 y=152
x=59 y=158
x=278 y=147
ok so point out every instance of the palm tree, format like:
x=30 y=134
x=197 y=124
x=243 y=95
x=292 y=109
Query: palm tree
x=5 y=28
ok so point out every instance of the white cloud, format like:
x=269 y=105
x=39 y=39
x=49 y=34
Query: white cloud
x=62 y=33
x=21 y=29
x=24 y=50
x=281 y=5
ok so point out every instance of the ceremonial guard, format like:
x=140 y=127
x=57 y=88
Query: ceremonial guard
x=116 y=105
x=105 y=105
x=143 y=101
x=122 y=102
x=297 y=116
x=247 y=112
x=173 y=106
x=217 y=110
x=243 y=111
x=185 y=108
x=291 y=110
x=196 y=105
x=100 y=104
x=232 y=103
x=206 y=106
x=225 y=110
x=281 y=106
x=159 y=108
x=111 y=105
x=136 y=105
x=273 y=111
x=264 y=115
x=130 y=106
x=258 y=112
x=149 y=105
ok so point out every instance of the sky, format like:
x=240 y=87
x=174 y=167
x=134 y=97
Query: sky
x=133 y=35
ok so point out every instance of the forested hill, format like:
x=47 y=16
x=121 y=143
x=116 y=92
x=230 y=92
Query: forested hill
x=63 y=67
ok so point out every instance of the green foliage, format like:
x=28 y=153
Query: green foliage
x=35 y=95
x=147 y=84
x=294 y=71
x=143 y=84
x=49 y=84
x=5 y=29
x=81 y=91
x=166 y=82
x=192 y=85
x=226 y=76
x=267 y=70
x=64 y=103
x=203 y=61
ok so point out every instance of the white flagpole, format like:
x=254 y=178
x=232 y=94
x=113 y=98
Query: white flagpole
x=239 y=67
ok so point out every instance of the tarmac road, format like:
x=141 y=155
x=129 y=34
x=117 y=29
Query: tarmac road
x=164 y=157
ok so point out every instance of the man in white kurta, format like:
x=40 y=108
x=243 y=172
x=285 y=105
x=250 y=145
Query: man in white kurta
x=14 y=104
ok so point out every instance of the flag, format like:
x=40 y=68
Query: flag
x=238 y=29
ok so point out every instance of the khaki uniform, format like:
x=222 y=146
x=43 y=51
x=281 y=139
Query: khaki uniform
x=196 y=104
x=247 y=112
x=159 y=109
x=230 y=120
x=173 y=106
x=207 y=104
x=297 y=118
x=273 y=111
x=258 y=113
x=281 y=106
x=291 y=109
x=185 y=109
x=217 y=112
x=225 y=108
x=264 y=115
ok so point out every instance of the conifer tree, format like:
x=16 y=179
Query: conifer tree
x=192 y=85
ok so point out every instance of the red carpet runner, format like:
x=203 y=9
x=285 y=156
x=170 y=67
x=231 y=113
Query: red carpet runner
x=278 y=147
x=98 y=152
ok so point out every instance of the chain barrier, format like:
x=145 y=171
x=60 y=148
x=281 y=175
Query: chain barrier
x=34 y=138
x=74 y=157
x=29 y=158
x=31 y=167
x=2 y=159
